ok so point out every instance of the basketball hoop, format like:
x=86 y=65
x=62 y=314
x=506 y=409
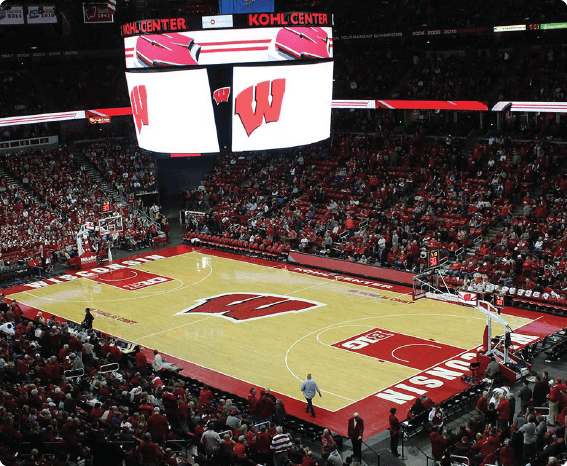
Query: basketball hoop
x=110 y=225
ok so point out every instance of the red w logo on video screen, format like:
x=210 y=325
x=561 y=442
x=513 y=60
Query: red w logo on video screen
x=139 y=101
x=260 y=94
x=221 y=95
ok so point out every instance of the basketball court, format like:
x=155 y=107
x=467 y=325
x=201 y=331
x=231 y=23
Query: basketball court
x=235 y=322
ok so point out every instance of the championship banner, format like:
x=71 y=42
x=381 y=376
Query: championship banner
x=11 y=15
x=229 y=7
x=97 y=13
x=41 y=14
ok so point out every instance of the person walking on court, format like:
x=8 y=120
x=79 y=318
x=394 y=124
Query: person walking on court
x=309 y=388
x=355 y=433
x=88 y=320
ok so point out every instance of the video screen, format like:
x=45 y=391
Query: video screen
x=213 y=47
x=265 y=84
x=173 y=111
x=281 y=106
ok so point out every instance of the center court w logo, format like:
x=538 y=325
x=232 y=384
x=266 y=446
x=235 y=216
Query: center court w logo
x=248 y=306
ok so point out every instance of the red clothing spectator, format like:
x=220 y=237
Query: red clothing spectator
x=355 y=430
x=308 y=460
x=488 y=445
x=149 y=451
x=327 y=442
x=503 y=411
x=205 y=398
x=146 y=409
x=252 y=401
x=428 y=403
x=438 y=444
x=116 y=353
x=394 y=431
x=64 y=352
x=75 y=345
x=169 y=401
x=263 y=443
x=349 y=223
x=16 y=309
x=141 y=361
x=240 y=449
x=507 y=455
x=182 y=409
x=97 y=412
x=229 y=444
x=482 y=405
x=265 y=407
x=105 y=350
x=54 y=370
x=158 y=426
x=251 y=437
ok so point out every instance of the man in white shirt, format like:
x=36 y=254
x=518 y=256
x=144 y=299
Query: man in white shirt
x=210 y=440
x=309 y=389
x=157 y=365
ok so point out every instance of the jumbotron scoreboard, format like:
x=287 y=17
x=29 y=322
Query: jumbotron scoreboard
x=231 y=82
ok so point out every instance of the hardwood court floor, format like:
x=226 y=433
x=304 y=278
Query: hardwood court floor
x=240 y=323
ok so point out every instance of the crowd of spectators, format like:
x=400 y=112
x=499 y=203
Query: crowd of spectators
x=527 y=252
x=544 y=12
x=367 y=72
x=536 y=74
x=459 y=76
x=350 y=204
x=81 y=83
x=57 y=178
x=498 y=433
x=62 y=84
x=53 y=195
x=72 y=394
x=123 y=164
x=519 y=72
x=444 y=14
x=27 y=226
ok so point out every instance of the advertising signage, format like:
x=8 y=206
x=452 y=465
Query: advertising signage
x=252 y=20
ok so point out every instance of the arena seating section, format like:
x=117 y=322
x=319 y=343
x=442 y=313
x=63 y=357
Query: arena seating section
x=123 y=164
x=19 y=96
x=515 y=72
x=48 y=195
x=493 y=205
